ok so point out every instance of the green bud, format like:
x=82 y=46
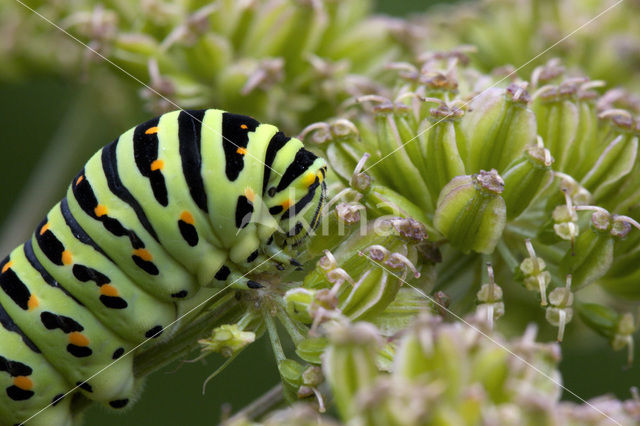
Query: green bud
x=340 y=141
x=383 y=201
x=498 y=128
x=489 y=298
x=227 y=340
x=471 y=214
x=349 y=363
x=442 y=157
x=615 y=162
x=399 y=168
x=525 y=177
x=291 y=372
x=560 y=310
x=336 y=225
x=533 y=275
x=593 y=252
x=404 y=308
x=614 y=131
x=557 y=118
x=376 y=288
x=311 y=349
x=298 y=300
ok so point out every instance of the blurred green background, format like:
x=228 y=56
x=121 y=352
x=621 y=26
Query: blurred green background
x=36 y=118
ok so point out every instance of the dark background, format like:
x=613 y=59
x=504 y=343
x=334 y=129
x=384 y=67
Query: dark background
x=30 y=116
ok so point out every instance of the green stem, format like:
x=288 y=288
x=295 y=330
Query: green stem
x=259 y=406
x=507 y=256
x=292 y=328
x=183 y=342
x=274 y=338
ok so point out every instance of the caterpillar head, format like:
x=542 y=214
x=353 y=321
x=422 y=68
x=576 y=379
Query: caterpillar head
x=295 y=198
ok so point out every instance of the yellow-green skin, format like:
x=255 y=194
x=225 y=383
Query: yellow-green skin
x=186 y=201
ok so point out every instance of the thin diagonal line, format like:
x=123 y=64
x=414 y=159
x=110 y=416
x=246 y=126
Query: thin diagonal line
x=139 y=81
x=491 y=339
x=499 y=81
x=150 y=338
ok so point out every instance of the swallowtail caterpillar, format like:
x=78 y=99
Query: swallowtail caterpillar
x=185 y=201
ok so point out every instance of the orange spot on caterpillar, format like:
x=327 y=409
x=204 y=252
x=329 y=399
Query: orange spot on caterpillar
x=100 y=210
x=157 y=165
x=6 y=266
x=44 y=228
x=244 y=127
x=286 y=204
x=248 y=192
x=23 y=382
x=78 y=339
x=33 y=302
x=143 y=254
x=80 y=179
x=187 y=217
x=67 y=259
x=108 y=290
x=241 y=150
x=151 y=131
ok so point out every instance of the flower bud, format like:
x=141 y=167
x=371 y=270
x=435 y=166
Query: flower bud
x=298 y=300
x=471 y=214
x=489 y=298
x=443 y=160
x=525 y=177
x=363 y=275
x=560 y=311
x=615 y=162
x=557 y=118
x=339 y=140
x=533 y=275
x=498 y=127
x=227 y=340
x=593 y=252
x=311 y=349
x=349 y=363
x=400 y=169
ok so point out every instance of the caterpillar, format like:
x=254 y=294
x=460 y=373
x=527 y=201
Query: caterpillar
x=185 y=201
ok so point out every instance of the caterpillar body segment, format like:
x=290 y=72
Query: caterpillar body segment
x=173 y=209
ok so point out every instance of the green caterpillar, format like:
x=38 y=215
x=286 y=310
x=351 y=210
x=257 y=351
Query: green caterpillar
x=187 y=200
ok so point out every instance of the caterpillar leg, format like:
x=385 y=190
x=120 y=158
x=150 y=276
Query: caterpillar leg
x=280 y=257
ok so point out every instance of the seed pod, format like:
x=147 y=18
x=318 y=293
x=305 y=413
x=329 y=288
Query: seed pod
x=335 y=226
x=615 y=162
x=349 y=363
x=404 y=175
x=362 y=275
x=525 y=177
x=471 y=214
x=498 y=127
x=443 y=161
x=340 y=141
x=557 y=118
